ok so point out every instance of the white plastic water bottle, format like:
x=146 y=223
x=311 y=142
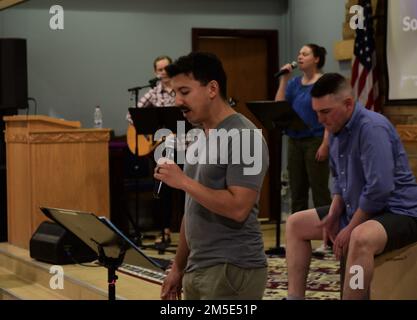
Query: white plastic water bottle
x=98 y=118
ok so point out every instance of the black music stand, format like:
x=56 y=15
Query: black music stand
x=111 y=245
x=276 y=116
x=135 y=92
x=147 y=121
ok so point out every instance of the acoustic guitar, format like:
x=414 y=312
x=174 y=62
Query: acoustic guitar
x=145 y=142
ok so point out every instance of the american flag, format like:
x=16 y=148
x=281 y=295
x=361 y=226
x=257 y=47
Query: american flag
x=364 y=72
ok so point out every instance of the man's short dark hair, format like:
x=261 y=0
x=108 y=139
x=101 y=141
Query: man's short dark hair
x=329 y=83
x=203 y=66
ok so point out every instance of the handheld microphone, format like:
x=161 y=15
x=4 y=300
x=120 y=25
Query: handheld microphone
x=285 y=71
x=169 y=154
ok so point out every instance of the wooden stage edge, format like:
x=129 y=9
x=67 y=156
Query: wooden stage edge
x=23 y=278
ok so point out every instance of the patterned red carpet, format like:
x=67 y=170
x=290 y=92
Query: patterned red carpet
x=323 y=281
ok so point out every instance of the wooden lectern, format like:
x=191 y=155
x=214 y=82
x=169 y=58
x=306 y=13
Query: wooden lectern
x=53 y=163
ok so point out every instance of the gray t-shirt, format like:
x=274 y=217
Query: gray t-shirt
x=214 y=239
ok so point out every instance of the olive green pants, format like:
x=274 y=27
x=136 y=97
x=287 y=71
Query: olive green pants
x=224 y=282
x=305 y=172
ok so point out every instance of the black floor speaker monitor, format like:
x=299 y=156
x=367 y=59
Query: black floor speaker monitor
x=13 y=74
x=53 y=244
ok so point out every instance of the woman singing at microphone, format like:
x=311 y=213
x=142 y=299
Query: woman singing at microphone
x=308 y=149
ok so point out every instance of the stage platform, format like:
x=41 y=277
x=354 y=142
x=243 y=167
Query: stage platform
x=23 y=278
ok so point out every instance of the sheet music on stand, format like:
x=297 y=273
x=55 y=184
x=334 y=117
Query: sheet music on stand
x=276 y=114
x=111 y=245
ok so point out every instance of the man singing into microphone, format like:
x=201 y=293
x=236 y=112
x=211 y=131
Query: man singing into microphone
x=220 y=253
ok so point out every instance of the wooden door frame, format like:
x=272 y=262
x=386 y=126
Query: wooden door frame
x=271 y=37
x=275 y=142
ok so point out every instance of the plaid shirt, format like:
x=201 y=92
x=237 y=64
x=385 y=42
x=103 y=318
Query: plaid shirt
x=156 y=97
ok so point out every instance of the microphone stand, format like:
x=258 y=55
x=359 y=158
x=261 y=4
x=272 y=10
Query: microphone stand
x=135 y=91
x=138 y=235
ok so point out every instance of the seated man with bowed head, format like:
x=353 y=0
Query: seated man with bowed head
x=374 y=206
